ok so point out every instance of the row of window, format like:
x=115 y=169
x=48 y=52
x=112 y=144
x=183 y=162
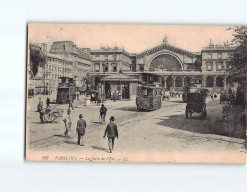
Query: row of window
x=59 y=61
x=219 y=66
x=112 y=57
x=106 y=57
x=56 y=50
x=59 y=69
x=219 y=56
x=54 y=76
x=106 y=67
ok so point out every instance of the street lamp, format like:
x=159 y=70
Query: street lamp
x=102 y=94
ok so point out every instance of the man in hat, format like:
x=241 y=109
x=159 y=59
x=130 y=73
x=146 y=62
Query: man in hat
x=67 y=122
x=112 y=132
x=103 y=111
x=40 y=105
x=81 y=128
x=48 y=101
x=71 y=103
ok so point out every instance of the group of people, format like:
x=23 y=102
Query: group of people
x=111 y=130
x=40 y=108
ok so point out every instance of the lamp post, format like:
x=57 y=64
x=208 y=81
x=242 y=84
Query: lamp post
x=102 y=94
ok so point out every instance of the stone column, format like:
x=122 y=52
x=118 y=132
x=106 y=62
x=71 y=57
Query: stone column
x=182 y=81
x=204 y=78
x=165 y=84
x=173 y=81
x=224 y=83
x=214 y=81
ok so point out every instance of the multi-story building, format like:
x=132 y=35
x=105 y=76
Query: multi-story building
x=80 y=56
x=56 y=67
x=214 y=62
x=110 y=60
x=108 y=66
x=174 y=67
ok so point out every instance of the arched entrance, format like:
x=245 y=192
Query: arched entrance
x=219 y=81
x=165 y=62
x=210 y=81
x=187 y=80
x=178 y=82
x=229 y=82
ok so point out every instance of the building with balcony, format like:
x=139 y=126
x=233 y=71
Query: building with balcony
x=214 y=62
x=108 y=72
x=56 y=67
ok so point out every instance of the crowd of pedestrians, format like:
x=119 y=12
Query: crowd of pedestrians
x=111 y=130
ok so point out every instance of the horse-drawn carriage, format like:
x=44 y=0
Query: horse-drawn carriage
x=196 y=102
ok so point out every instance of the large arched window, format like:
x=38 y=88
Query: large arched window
x=165 y=62
x=219 y=81
x=178 y=82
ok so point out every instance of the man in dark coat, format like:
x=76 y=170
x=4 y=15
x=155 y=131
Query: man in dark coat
x=81 y=128
x=71 y=103
x=48 y=101
x=103 y=111
x=40 y=105
x=112 y=132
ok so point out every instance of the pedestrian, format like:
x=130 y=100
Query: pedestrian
x=98 y=100
x=114 y=96
x=80 y=129
x=41 y=115
x=212 y=97
x=77 y=95
x=48 y=101
x=103 y=111
x=67 y=122
x=40 y=105
x=120 y=95
x=71 y=103
x=112 y=132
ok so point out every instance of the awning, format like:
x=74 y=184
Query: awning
x=119 y=77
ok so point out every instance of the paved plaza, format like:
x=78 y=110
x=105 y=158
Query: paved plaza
x=165 y=131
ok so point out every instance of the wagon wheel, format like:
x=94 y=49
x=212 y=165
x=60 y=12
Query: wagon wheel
x=54 y=117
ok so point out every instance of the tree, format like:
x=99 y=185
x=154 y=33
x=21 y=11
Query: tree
x=37 y=59
x=238 y=58
x=238 y=63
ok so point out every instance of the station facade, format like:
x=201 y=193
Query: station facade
x=167 y=64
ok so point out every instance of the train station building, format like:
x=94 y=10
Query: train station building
x=167 y=64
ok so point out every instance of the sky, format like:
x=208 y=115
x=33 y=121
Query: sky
x=134 y=38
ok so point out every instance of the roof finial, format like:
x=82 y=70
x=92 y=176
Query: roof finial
x=165 y=39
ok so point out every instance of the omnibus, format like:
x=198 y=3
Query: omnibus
x=66 y=90
x=148 y=98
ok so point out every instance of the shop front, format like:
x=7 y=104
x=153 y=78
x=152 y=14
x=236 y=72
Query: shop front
x=119 y=86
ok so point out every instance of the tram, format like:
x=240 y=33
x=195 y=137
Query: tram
x=66 y=90
x=148 y=98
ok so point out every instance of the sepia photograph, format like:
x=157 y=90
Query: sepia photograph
x=136 y=93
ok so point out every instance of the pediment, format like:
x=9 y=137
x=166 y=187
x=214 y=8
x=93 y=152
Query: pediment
x=166 y=46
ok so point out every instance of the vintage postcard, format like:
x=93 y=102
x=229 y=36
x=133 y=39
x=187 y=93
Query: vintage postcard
x=136 y=93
